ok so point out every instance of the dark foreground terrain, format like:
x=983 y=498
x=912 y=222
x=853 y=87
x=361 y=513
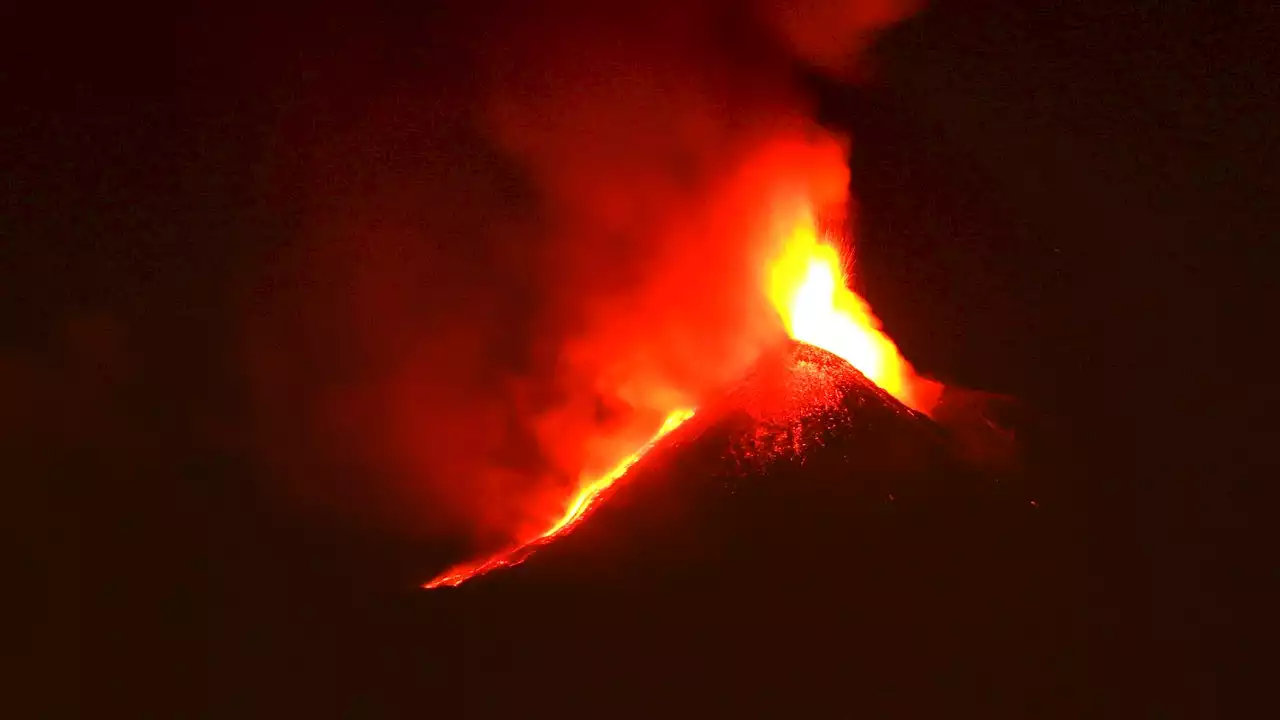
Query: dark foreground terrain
x=806 y=545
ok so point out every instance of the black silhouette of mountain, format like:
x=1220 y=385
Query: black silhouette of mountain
x=805 y=538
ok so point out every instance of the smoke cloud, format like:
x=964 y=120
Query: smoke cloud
x=521 y=248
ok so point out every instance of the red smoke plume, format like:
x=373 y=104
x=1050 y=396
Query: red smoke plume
x=529 y=245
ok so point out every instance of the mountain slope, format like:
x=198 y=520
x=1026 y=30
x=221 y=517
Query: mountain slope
x=803 y=543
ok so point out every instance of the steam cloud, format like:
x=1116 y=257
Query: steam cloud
x=541 y=239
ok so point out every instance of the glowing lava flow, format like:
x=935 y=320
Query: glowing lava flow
x=808 y=287
x=586 y=499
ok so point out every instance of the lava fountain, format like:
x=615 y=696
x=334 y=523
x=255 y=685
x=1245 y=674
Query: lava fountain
x=809 y=288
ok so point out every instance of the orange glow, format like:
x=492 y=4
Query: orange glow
x=586 y=499
x=808 y=287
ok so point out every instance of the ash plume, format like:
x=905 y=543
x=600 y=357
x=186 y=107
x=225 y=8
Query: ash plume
x=523 y=245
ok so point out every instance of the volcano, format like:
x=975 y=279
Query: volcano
x=802 y=422
x=807 y=534
x=804 y=494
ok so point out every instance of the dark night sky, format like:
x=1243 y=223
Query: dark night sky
x=1067 y=205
